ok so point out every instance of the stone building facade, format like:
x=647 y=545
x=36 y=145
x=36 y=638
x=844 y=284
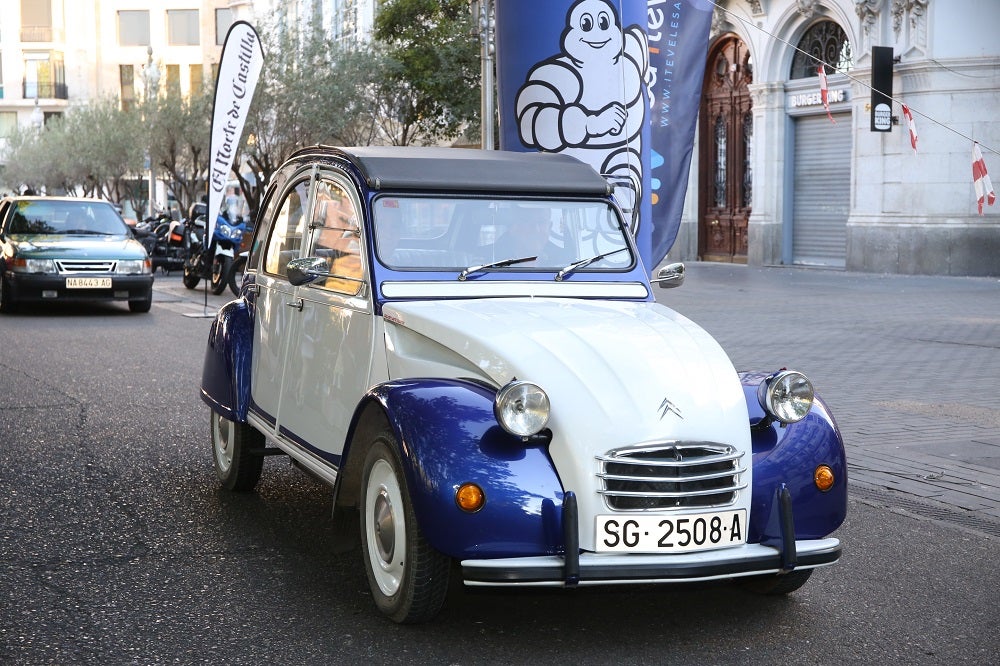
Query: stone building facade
x=775 y=180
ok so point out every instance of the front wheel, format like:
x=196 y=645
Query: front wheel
x=407 y=577
x=235 y=273
x=7 y=303
x=144 y=305
x=238 y=452
x=221 y=268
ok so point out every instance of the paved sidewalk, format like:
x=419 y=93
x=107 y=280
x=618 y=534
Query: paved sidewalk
x=910 y=367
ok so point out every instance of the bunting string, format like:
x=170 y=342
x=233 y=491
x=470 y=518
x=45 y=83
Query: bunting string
x=820 y=63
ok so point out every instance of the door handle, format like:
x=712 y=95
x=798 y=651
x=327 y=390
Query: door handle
x=296 y=303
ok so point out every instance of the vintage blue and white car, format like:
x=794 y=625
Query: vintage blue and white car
x=465 y=345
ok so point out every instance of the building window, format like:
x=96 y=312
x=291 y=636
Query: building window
x=173 y=78
x=182 y=27
x=44 y=76
x=825 y=41
x=36 y=21
x=223 y=21
x=197 y=76
x=126 y=77
x=8 y=124
x=133 y=27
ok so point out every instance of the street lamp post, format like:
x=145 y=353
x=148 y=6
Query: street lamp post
x=151 y=79
x=482 y=15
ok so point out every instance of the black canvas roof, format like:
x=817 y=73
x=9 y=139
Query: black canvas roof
x=461 y=169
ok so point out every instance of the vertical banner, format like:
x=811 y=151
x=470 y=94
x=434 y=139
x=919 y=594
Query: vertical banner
x=615 y=83
x=239 y=69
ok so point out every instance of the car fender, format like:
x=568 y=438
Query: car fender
x=788 y=456
x=225 y=378
x=447 y=435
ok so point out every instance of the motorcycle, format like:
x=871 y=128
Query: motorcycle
x=214 y=261
x=164 y=240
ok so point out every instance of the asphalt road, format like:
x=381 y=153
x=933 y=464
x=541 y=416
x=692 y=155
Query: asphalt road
x=117 y=547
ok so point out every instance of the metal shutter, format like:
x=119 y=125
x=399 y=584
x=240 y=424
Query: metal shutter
x=822 y=190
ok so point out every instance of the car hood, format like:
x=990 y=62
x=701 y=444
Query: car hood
x=63 y=246
x=618 y=374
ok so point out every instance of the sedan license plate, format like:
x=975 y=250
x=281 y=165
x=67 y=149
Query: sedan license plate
x=88 y=283
x=670 y=534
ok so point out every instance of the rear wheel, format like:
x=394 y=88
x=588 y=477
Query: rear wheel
x=238 y=452
x=407 y=577
x=776 y=584
x=190 y=278
x=220 y=273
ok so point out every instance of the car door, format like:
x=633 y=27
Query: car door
x=330 y=349
x=275 y=300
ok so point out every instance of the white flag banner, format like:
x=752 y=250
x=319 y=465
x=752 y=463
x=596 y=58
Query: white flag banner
x=239 y=69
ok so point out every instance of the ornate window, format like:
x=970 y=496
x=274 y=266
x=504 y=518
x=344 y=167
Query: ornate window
x=824 y=41
x=747 y=159
x=720 y=161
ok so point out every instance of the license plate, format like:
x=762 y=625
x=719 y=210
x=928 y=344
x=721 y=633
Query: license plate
x=88 y=283
x=670 y=534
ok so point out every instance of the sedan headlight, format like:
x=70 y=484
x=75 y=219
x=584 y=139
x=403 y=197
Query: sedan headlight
x=786 y=396
x=20 y=265
x=133 y=267
x=522 y=408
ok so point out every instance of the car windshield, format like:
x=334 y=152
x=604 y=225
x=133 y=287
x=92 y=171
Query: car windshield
x=89 y=218
x=484 y=235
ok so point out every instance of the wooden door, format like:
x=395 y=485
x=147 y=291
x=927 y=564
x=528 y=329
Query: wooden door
x=725 y=183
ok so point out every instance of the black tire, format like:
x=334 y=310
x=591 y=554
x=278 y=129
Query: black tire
x=221 y=267
x=144 y=305
x=238 y=453
x=7 y=303
x=407 y=577
x=777 y=584
x=190 y=278
x=236 y=275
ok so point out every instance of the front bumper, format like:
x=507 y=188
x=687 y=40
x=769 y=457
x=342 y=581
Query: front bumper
x=28 y=287
x=612 y=569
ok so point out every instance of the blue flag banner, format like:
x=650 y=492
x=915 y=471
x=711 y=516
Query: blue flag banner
x=615 y=83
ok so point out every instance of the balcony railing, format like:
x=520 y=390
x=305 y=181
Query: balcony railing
x=44 y=90
x=41 y=33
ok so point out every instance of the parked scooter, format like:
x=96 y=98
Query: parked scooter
x=165 y=242
x=214 y=261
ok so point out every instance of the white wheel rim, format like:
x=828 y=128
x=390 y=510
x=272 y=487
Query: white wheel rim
x=385 y=529
x=222 y=440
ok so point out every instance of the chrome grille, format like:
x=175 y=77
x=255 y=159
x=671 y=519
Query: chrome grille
x=86 y=266
x=671 y=475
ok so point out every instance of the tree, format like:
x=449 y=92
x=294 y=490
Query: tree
x=439 y=64
x=179 y=135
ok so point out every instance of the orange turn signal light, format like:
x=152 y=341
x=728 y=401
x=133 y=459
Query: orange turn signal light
x=470 y=497
x=823 y=478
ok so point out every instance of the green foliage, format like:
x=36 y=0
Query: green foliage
x=418 y=82
x=438 y=61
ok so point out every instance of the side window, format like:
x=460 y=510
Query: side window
x=336 y=237
x=286 y=230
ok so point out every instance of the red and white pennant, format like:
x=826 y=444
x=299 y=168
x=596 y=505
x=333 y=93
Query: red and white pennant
x=912 y=126
x=824 y=91
x=981 y=179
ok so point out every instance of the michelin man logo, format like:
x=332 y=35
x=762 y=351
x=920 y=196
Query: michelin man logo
x=587 y=100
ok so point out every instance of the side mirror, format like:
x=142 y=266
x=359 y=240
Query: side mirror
x=306 y=270
x=670 y=276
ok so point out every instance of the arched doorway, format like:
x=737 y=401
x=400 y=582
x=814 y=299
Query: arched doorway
x=725 y=183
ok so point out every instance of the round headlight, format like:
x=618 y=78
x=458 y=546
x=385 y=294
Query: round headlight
x=786 y=396
x=522 y=408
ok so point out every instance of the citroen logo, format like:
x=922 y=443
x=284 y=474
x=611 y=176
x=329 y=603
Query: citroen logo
x=667 y=406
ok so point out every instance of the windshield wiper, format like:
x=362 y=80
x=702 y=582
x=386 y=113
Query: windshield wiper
x=585 y=262
x=493 y=264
